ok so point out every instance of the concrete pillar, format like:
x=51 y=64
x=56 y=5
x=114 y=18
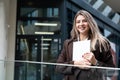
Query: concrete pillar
x=11 y=29
x=3 y=39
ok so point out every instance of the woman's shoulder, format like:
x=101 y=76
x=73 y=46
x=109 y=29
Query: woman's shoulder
x=69 y=40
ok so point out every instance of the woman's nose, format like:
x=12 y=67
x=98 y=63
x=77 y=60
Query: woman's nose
x=81 y=23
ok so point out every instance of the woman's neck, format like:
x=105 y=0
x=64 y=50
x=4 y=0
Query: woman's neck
x=83 y=37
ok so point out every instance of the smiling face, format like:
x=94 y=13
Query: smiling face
x=82 y=25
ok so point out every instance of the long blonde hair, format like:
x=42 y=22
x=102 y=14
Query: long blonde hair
x=94 y=32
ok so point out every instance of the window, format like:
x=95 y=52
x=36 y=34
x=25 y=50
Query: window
x=38 y=21
x=37 y=39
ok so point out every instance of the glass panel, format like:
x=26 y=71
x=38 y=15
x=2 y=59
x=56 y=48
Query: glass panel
x=115 y=45
x=35 y=21
x=69 y=29
x=27 y=49
x=37 y=49
x=31 y=70
x=39 y=12
x=41 y=49
x=69 y=15
x=38 y=27
x=49 y=49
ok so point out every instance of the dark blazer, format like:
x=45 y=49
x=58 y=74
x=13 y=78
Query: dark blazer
x=73 y=73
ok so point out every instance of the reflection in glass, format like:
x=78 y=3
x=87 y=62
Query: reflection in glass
x=36 y=27
x=38 y=21
x=40 y=49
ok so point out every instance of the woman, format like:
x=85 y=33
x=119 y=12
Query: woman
x=85 y=28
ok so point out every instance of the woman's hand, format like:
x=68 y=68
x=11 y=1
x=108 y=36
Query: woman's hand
x=82 y=64
x=90 y=57
x=88 y=60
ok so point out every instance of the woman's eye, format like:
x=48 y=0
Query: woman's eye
x=77 y=21
x=84 y=20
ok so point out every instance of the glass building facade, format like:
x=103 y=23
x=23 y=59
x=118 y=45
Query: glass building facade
x=42 y=26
